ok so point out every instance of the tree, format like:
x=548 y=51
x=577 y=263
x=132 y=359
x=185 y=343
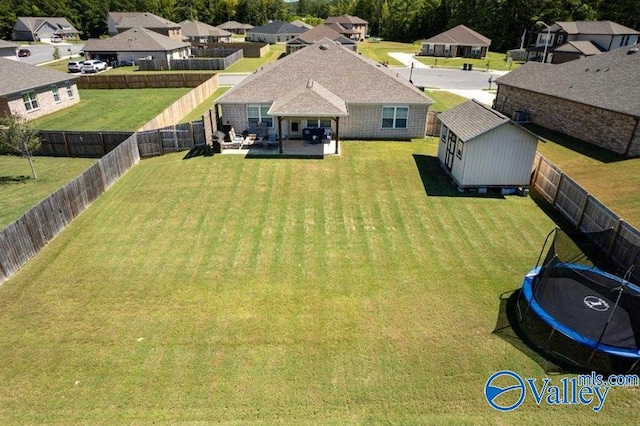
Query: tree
x=20 y=137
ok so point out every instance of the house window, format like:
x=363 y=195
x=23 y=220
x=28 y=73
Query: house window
x=394 y=117
x=319 y=122
x=475 y=50
x=69 y=87
x=560 y=38
x=56 y=94
x=430 y=49
x=447 y=49
x=30 y=101
x=258 y=113
x=459 y=148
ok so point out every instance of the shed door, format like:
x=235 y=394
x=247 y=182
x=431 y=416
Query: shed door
x=451 y=149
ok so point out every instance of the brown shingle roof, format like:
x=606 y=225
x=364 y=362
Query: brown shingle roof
x=460 y=35
x=586 y=48
x=234 y=25
x=593 y=27
x=135 y=40
x=607 y=80
x=354 y=78
x=320 y=32
x=346 y=19
x=200 y=29
x=309 y=100
x=16 y=76
x=144 y=20
x=471 y=119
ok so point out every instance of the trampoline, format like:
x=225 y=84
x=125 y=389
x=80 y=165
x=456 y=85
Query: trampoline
x=587 y=295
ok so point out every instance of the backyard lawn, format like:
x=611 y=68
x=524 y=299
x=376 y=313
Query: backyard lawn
x=355 y=289
x=251 y=64
x=19 y=191
x=444 y=100
x=379 y=51
x=113 y=109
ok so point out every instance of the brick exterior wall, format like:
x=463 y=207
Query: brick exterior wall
x=607 y=129
x=46 y=103
x=363 y=122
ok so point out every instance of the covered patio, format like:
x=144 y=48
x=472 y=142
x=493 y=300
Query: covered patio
x=287 y=148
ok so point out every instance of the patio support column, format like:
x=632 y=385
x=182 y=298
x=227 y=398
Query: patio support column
x=280 y=134
x=337 y=133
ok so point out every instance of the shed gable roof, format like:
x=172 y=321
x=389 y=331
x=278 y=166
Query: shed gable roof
x=460 y=35
x=354 y=78
x=607 y=80
x=135 y=40
x=472 y=119
x=17 y=76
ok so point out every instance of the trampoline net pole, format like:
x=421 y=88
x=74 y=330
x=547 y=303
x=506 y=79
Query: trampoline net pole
x=604 y=329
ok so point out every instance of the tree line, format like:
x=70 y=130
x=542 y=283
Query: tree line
x=503 y=21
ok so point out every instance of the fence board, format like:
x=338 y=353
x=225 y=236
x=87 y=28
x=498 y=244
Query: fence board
x=571 y=199
x=547 y=179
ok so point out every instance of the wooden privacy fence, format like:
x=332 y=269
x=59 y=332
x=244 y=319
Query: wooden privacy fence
x=433 y=123
x=142 y=81
x=174 y=138
x=24 y=238
x=249 y=49
x=79 y=144
x=582 y=209
x=201 y=63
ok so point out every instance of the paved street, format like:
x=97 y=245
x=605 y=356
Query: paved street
x=41 y=53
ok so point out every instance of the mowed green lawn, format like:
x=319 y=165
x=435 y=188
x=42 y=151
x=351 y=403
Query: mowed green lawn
x=19 y=191
x=113 y=109
x=380 y=51
x=354 y=289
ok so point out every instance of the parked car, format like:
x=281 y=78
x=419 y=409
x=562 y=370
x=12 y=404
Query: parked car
x=24 y=52
x=75 y=66
x=56 y=39
x=93 y=65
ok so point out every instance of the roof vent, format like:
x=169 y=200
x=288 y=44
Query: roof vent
x=632 y=51
x=324 y=46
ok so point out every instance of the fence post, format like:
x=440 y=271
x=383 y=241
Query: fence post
x=104 y=147
x=534 y=178
x=555 y=196
x=159 y=142
x=612 y=244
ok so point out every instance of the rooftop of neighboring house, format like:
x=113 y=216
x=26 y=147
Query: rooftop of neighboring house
x=18 y=76
x=200 y=29
x=592 y=27
x=301 y=24
x=585 y=47
x=459 y=35
x=345 y=19
x=33 y=23
x=141 y=19
x=277 y=27
x=607 y=80
x=234 y=25
x=135 y=40
x=318 y=33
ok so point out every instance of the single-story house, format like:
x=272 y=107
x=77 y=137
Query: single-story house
x=119 y=22
x=274 y=32
x=318 y=33
x=135 y=44
x=326 y=85
x=457 y=42
x=8 y=50
x=572 y=50
x=594 y=99
x=32 y=28
x=350 y=26
x=199 y=32
x=482 y=148
x=34 y=91
x=235 y=27
x=602 y=35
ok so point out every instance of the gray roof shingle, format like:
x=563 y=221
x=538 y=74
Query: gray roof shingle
x=471 y=119
x=608 y=80
x=310 y=100
x=144 y=20
x=460 y=35
x=345 y=19
x=135 y=40
x=354 y=78
x=16 y=77
x=234 y=25
x=277 y=27
x=593 y=27
x=584 y=47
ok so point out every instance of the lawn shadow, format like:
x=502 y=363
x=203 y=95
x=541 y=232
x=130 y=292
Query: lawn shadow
x=199 y=151
x=438 y=184
x=574 y=144
x=8 y=180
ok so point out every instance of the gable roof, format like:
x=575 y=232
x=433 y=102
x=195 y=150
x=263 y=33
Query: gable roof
x=472 y=119
x=345 y=19
x=593 y=27
x=460 y=35
x=354 y=78
x=607 y=80
x=234 y=25
x=200 y=29
x=18 y=76
x=301 y=24
x=277 y=27
x=309 y=100
x=583 y=47
x=318 y=33
x=143 y=19
x=34 y=23
x=135 y=40
x=339 y=28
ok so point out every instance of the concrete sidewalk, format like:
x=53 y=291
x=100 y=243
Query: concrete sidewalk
x=407 y=59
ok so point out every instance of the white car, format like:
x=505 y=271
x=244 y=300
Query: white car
x=93 y=65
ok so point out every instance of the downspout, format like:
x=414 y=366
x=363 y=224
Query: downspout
x=635 y=132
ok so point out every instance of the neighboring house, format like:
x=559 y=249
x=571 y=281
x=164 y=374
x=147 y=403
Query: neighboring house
x=574 y=50
x=274 y=32
x=135 y=44
x=119 y=22
x=595 y=99
x=8 y=50
x=235 y=27
x=34 y=91
x=199 y=32
x=301 y=24
x=349 y=26
x=603 y=35
x=29 y=28
x=457 y=42
x=327 y=86
x=318 y=33
x=481 y=148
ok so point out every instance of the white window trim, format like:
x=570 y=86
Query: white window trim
x=395 y=116
x=56 y=93
x=70 y=93
x=261 y=118
x=31 y=101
